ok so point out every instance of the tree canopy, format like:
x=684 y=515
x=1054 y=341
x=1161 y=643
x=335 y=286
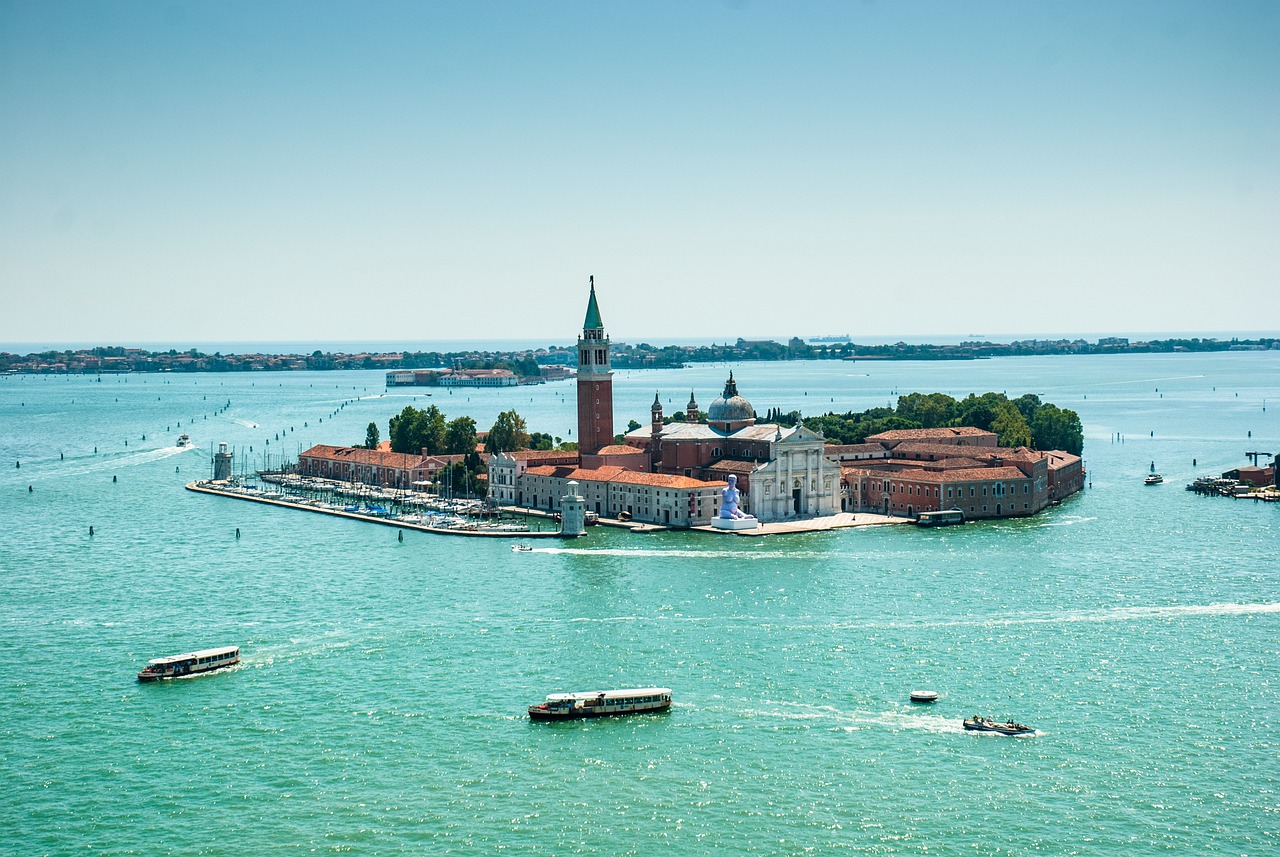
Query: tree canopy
x=460 y=436
x=508 y=434
x=413 y=431
x=1024 y=421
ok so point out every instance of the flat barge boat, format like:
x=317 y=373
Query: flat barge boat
x=602 y=703
x=191 y=663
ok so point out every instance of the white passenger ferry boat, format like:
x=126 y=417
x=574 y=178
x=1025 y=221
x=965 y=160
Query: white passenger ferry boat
x=192 y=663
x=601 y=703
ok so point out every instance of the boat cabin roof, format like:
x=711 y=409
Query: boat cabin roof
x=203 y=653
x=609 y=694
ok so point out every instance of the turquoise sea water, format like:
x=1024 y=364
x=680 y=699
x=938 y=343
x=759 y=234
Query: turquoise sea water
x=380 y=705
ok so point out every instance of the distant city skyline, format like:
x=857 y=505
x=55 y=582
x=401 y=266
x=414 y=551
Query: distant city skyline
x=403 y=172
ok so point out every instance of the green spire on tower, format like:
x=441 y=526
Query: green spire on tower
x=593 y=321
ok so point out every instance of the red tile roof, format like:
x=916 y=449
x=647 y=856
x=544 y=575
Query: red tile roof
x=618 y=474
x=919 y=474
x=950 y=450
x=729 y=465
x=663 y=480
x=555 y=455
x=924 y=434
x=357 y=455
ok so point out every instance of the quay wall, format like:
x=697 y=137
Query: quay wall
x=388 y=522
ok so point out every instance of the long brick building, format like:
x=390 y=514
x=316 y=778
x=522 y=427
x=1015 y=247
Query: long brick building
x=927 y=470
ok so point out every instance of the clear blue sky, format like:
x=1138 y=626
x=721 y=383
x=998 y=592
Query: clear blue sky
x=214 y=171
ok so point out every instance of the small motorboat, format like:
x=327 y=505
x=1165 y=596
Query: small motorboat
x=521 y=549
x=184 y=440
x=1153 y=479
x=985 y=724
x=924 y=696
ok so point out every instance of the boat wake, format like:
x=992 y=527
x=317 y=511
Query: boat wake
x=1150 y=380
x=1068 y=521
x=1111 y=614
x=245 y=423
x=856 y=721
x=113 y=463
x=690 y=554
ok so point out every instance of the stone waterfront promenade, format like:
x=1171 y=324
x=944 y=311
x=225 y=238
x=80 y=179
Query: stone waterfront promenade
x=838 y=521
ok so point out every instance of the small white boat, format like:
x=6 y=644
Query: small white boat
x=191 y=663
x=521 y=549
x=602 y=703
x=184 y=440
x=924 y=696
x=1153 y=479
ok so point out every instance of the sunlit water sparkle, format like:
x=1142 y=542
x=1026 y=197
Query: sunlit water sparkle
x=380 y=704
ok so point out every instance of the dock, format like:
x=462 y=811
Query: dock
x=825 y=523
x=838 y=521
x=286 y=502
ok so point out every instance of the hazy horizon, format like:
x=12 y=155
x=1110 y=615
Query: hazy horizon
x=526 y=343
x=400 y=171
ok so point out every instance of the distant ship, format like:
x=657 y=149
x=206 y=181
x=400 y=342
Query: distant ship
x=844 y=338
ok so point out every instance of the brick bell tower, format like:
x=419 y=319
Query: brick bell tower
x=595 y=383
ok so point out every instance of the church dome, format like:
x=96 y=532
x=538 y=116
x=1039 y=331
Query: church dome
x=730 y=407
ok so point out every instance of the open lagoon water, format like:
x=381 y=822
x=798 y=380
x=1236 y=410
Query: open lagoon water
x=380 y=705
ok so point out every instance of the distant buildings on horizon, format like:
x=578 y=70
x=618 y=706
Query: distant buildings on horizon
x=553 y=362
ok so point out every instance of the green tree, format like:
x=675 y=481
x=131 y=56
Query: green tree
x=371 y=437
x=1028 y=404
x=508 y=434
x=539 y=440
x=460 y=436
x=930 y=410
x=1010 y=426
x=1058 y=428
x=413 y=430
x=979 y=411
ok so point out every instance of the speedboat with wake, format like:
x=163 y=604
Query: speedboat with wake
x=978 y=723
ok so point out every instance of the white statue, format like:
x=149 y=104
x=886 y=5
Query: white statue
x=729 y=499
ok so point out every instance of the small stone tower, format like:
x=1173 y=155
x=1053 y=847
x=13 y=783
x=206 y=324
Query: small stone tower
x=222 y=463
x=573 y=511
x=691 y=409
